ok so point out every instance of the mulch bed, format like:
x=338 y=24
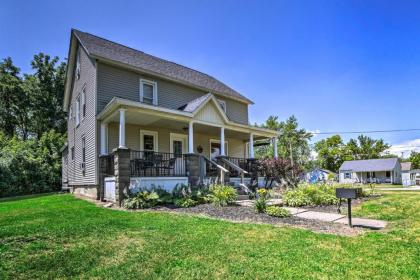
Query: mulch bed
x=244 y=214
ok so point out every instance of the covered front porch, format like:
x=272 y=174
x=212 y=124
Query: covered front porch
x=171 y=143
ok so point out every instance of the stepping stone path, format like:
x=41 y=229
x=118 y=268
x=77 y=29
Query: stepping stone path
x=322 y=216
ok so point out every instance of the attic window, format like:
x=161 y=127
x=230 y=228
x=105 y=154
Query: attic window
x=222 y=104
x=148 y=92
x=78 y=64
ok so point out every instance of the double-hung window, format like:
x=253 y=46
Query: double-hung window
x=83 y=100
x=83 y=165
x=222 y=104
x=70 y=112
x=347 y=175
x=148 y=92
x=78 y=64
x=78 y=110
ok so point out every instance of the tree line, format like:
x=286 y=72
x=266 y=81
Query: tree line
x=32 y=125
x=294 y=145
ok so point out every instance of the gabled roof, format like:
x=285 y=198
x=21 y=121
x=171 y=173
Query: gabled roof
x=104 y=49
x=197 y=104
x=194 y=104
x=405 y=166
x=370 y=165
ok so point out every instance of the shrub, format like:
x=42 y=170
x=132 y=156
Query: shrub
x=316 y=194
x=280 y=170
x=185 y=202
x=222 y=195
x=142 y=199
x=197 y=193
x=260 y=203
x=276 y=211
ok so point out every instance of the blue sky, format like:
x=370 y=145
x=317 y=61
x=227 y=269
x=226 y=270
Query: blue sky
x=335 y=65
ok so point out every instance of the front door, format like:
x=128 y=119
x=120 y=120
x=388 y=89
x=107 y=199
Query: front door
x=178 y=147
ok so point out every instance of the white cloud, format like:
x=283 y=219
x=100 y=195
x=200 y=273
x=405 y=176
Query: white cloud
x=314 y=132
x=405 y=148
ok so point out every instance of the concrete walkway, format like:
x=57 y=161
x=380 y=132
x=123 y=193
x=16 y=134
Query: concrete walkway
x=335 y=218
x=414 y=188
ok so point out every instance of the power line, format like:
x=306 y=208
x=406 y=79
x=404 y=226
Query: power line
x=368 y=131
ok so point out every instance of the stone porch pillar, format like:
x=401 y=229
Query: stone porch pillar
x=122 y=173
x=193 y=168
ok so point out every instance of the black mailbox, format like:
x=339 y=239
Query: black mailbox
x=348 y=192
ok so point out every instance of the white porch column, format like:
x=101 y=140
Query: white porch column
x=191 y=137
x=122 y=129
x=275 y=147
x=222 y=141
x=104 y=140
x=251 y=145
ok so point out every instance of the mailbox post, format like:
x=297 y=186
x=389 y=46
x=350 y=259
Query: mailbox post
x=349 y=194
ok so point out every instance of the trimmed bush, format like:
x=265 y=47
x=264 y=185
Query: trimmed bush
x=277 y=211
x=222 y=195
x=185 y=202
x=305 y=194
x=141 y=200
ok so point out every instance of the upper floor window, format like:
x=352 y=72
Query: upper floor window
x=72 y=153
x=83 y=102
x=222 y=104
x=78 y=64
x=83 y=165
x=148 y=92
x=78 y=110
x=70 y=112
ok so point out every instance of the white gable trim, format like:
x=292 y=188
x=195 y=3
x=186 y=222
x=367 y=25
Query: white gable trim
x=213 y=99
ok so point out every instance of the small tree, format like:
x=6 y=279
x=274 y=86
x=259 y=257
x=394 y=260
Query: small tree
x=280 y=170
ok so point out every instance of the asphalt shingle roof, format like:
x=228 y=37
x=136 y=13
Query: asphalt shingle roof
x=370 y=165
x=116 y=52
x=194 y=104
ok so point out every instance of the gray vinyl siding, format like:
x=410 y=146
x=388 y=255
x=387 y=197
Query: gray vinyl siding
x=86 y=128
x=117 y=82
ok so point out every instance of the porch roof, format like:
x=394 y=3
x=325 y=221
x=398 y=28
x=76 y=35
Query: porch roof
x=108 y=114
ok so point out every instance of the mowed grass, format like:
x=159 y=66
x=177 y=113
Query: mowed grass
x=59 y=236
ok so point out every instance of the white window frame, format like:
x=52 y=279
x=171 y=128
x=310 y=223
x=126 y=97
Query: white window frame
x=178 y=136
x=83 y=103
x=347 y=177
x=222 y=104
x=155 y=135
x=70 y=112
x=218 y=141
x=78 y=64
x=154 y=85
x=78 y=110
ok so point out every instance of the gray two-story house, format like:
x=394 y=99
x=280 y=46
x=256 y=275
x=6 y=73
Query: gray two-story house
x=137 y=120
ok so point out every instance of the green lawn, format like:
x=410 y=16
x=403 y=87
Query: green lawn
x=59 y=236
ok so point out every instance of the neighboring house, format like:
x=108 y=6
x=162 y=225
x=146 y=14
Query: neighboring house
x=320 y=175
x=409 y=176
x=386 y=170
x=135 y=119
